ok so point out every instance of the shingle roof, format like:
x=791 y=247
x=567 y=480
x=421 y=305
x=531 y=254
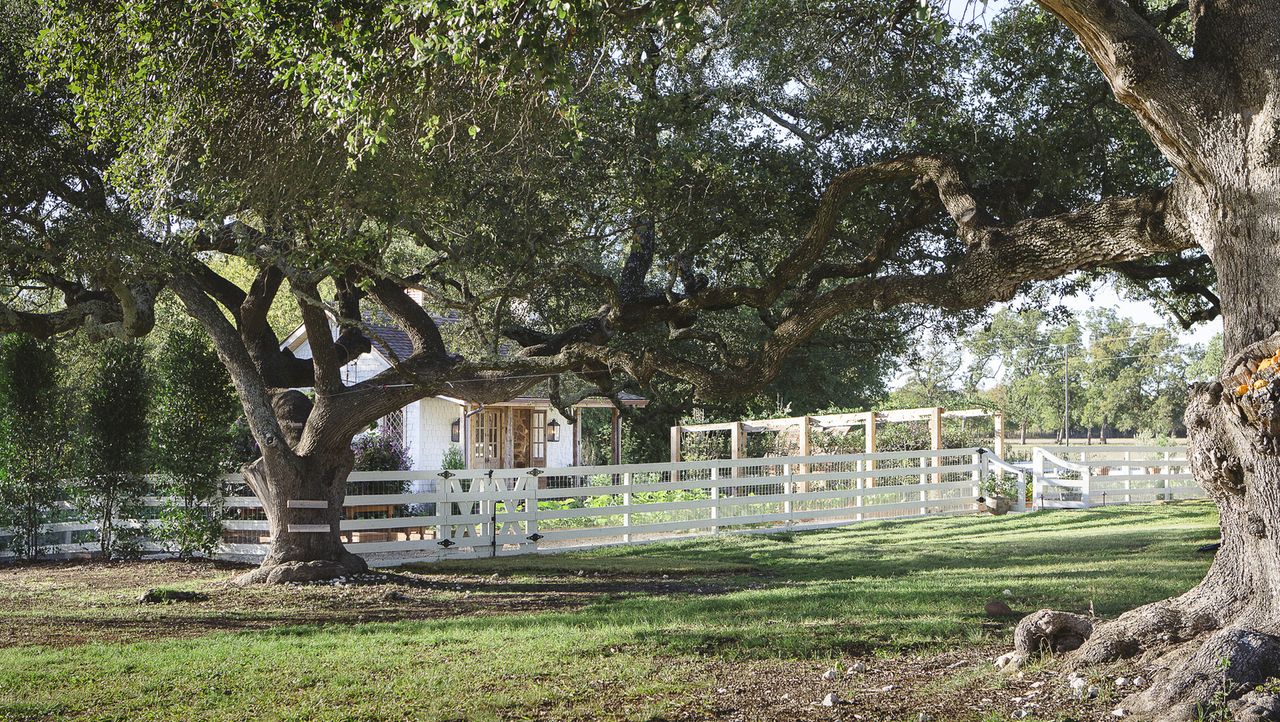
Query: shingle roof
x=393 y=343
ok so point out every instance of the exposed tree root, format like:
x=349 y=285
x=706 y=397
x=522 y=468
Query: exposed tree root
x=1210 y=678
x=1197 y=671
x=299 y=572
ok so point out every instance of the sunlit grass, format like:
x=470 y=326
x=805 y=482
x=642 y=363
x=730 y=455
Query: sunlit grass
x=867 y=590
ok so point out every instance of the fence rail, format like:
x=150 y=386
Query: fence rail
x=1119 y=475
x=395 y=517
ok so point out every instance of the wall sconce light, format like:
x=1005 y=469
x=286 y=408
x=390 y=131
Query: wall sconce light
x=553 y=430
x=455 y=431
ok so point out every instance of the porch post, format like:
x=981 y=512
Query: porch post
x=616 y=438
x=464 y=435
x=509 y=443
x=577 y=437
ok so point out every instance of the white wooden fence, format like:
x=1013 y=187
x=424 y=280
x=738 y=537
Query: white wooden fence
x=396 y=517
x=1081 y=477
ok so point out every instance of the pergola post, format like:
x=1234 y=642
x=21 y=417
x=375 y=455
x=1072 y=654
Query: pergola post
x=676 y=433
x=806 y=431
x=735 y=445
x=998 y=435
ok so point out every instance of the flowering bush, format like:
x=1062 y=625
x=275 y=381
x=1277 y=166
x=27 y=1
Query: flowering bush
x=380 y=452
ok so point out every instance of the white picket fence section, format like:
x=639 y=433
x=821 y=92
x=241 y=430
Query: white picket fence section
x=518 y=511
x=399 y=517
x=1081 y=477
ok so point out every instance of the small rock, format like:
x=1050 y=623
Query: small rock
x=1077 y=683
x=923 y=717
x=1121 y=681
x=1037 y=685
x=887 y=688
x=722 y=690
x=1119 y=712
x=1010 y=660
x=1007 y=592
x=829 y=675
x=1139 y=682
x=1091 y=693
x=1020 y=714
x=997 y=608
x=831 y=700
x=856 y=668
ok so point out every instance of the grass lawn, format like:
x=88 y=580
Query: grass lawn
x=735 y=627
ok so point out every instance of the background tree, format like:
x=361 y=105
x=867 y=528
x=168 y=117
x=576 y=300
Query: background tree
x=192 y=414
x=1017 y=349
x=33 y=438
x=113 y=445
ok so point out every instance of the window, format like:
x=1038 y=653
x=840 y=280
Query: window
x=487 y=436
x=538 y=438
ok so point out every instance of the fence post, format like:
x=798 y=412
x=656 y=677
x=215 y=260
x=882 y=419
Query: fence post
x=1164 y=471
x=1085 y=480
x=979 y=474
x=788 y=488
x=1022 y=490
x=443 y=510
x=626 y=504
x=531 y=508
x=924 y=481
x=715 y=497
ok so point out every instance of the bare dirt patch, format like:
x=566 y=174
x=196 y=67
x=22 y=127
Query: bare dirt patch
x=68 y=603
x=943 y=687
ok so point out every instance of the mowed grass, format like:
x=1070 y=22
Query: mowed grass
x=876 y=589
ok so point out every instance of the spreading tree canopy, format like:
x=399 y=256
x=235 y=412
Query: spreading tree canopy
x=672 y=191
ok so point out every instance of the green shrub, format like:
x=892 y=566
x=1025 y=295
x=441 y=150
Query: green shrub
x=192 y=423
x=33 y=441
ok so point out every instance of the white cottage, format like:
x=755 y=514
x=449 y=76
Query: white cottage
x=521 y=432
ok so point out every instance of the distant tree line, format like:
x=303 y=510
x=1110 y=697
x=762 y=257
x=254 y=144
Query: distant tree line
x=88 y=431
x=1119 y=376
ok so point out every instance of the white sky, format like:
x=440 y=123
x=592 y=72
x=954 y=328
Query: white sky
x=1105 y=296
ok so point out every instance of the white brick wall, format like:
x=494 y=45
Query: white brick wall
x=560 y=453
x=435 y=417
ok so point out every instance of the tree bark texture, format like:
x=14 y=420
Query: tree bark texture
x=1216 y=116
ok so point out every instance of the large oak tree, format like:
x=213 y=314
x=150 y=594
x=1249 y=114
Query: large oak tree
x=374 y=148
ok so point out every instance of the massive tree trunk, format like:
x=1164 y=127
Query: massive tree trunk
x=1216 y=116
x=302 y=498
x=1227 y=627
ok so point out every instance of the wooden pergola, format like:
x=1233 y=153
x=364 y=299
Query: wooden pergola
x=867 y=420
